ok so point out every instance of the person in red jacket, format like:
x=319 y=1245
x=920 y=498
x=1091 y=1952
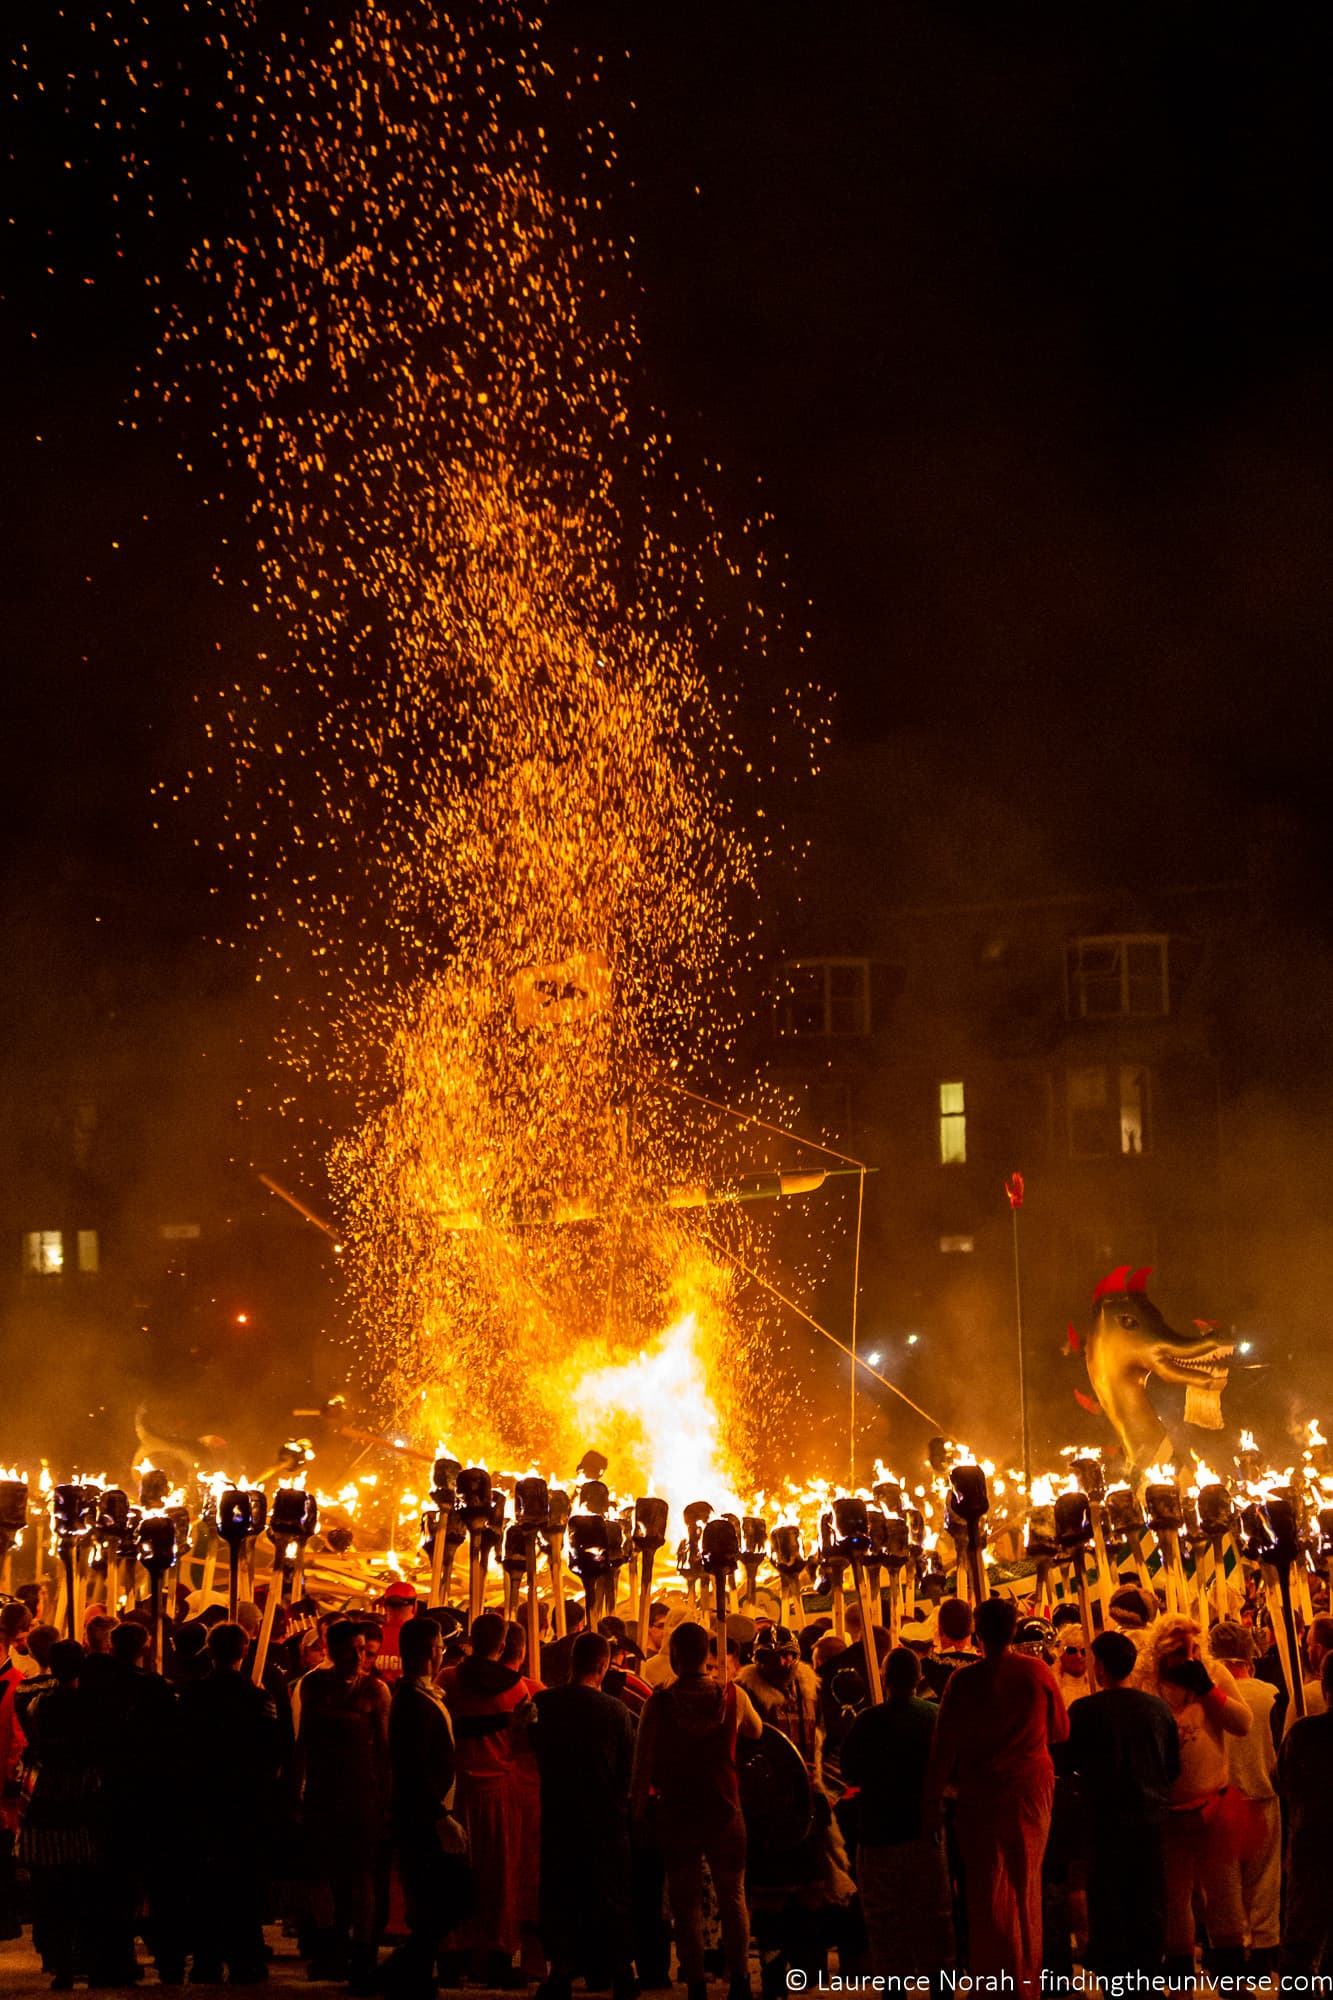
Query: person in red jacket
x=992 y=1750
x=490 y=1706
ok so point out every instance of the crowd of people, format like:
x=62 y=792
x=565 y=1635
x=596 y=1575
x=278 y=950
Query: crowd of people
x=415 y=1802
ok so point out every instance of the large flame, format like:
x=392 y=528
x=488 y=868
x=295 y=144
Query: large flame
x=656 y=1417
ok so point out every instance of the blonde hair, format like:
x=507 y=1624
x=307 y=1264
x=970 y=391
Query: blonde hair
x=1166 y=1636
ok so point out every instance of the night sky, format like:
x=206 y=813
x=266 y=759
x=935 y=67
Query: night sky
x=1020 y=315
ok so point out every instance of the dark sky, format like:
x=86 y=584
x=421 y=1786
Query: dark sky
x=1021 y=315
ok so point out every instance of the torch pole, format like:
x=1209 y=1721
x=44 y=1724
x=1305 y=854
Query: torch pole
x=155 y=1602
x=1014 y=1207
x=837 y=1603
x=1084 y=1597
x=66 y=1604
x=1104 y=1583
x=1221 y=1601
x=557 y=1570
x=233 y=1579
x=720 y=1624
x=210 y=1565
x=534 y=1623
x=895 y=1604
x=434 y=1595
x=645 y=1594
x=868 y=1646
x=1277 y=1584
x=266 y=1624
x=475 y=1581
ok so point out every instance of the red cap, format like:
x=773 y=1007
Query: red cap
x=400 y=1591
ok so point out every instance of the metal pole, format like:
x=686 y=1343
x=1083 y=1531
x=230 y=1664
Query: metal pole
x=856 y=1289
x=1022 y=1358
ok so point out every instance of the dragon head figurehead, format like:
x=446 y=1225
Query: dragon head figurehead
x=1129 y=1341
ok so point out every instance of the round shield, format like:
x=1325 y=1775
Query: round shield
x=777 y=1797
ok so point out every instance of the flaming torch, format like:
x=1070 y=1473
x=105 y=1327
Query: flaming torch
x=474 y=1502
x=241 y=1513
x=443 y=1491
x=1166 y=1517
x=719 y=1553
x=1091 y=1476
x=788 y=1559
x=650 y=1527
x=1073 y=1532
x=159 y=1552
x=852 y=1520
x=72 y=1512
x=969 y=1503
x=292 y=1521
x=514 y=1563
x=754 y=1545
x=110 y=1525
x=696 y=1515
x=13 y=1520
x=1217 y=1519
x=589 y=1559
x=556 y=1525
x=1273 y=1541
x=1128 y=1522
x=532 y=1514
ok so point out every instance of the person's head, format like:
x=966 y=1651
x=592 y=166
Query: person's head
x=1116 y=1656
x=249 y=1616
x=1132 y=1608
x=1063 y=1616
x=39 y=1641
x=954 y=1624
x=777 y=1655
x=515 y=1647
x=688 y=1650
x=399 y=1600
x=227 y=1647
x=187 y=1644
x=589 y=1658
x=347 y=1647
x=1174 y=1642
x=66 y=1660
x=211 y=1615
x=421 y=1646
x=129 y=1645
x=311 y=1650
x=1072 y=1657
x=994 y=1621
x=1233 y=1644
x=575 y=1616
x=373 y=1634
x=902 y=1671
x=657 y=1618
x=488 y=1636
x=852 y=1623
x=1319 y=1642
x=14 y=1622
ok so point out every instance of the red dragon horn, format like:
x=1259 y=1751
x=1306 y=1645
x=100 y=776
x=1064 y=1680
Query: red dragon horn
x=1088 y=1403
x=1138 y=1280
x=1074 y=1342
x=1114 y=1281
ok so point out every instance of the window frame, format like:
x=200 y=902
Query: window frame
x=1113 y=1076
x=826 y=967
x=952 y=1121
x=1076 y=976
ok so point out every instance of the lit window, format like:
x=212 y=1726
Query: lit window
x=957 y=1245
x=1108 y=1111
x=825 y=996
x=1112 y=976
x=88 y=1254
x=953 y=1126
x=43 y=1253
x=1133 y=1109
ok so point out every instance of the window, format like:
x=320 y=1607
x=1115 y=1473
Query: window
x=88 y=1253
x=1111 y=976
x=957 y=1245
x=825 y=996
x=43 y=1253
x=953 y=1126
x=1108 y=1111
